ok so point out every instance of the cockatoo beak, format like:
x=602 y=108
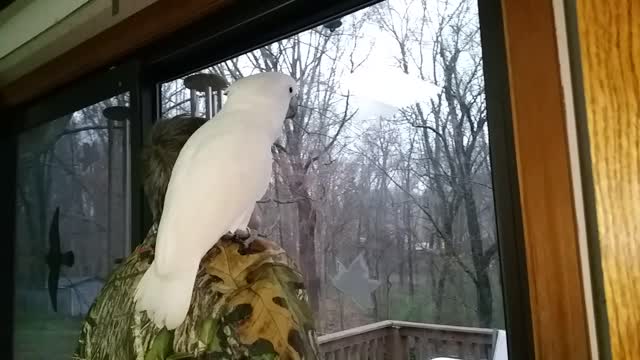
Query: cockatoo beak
x=293 y=108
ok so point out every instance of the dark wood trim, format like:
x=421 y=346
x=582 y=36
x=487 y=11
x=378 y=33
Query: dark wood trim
x=90 y=90
x=9 y=159
x=558 y=310
x=145 y=112
x=241 y=27
x=110 y=46
x=5 y=4
x=513 y=262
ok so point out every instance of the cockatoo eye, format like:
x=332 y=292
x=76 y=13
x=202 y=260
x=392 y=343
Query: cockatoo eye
x=290 y=90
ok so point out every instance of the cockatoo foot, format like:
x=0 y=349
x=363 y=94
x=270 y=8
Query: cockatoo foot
x=246 y=236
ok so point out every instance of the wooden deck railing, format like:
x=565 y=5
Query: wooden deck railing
x=399 y=340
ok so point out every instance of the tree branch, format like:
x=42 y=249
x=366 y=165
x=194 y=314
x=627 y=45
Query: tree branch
x=280 y=202
x=345 y=118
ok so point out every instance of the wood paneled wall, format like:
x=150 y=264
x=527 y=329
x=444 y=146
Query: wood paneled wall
x=609 y=37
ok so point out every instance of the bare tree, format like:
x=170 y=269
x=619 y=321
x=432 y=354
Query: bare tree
x=410 y=190
x=453 y=131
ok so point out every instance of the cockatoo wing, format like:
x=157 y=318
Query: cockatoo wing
x=217 y=178
x=243 y=221
x=211 y=188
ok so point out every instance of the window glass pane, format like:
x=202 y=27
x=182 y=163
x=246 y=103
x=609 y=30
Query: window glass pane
x=385 y=170
x=72 y=223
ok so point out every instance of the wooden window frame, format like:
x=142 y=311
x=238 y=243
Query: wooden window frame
x=557 y=297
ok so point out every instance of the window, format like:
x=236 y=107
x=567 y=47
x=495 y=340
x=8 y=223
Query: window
x=391 y=144
x=72 y=223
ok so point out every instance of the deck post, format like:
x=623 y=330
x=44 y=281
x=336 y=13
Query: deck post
x=396 y=344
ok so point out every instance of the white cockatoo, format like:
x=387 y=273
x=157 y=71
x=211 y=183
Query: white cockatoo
x=220 y=173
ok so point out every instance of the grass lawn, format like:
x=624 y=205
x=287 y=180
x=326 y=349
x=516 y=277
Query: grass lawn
x=45 y=336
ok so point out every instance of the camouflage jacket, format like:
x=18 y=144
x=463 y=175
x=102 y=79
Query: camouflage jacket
x=248 y=302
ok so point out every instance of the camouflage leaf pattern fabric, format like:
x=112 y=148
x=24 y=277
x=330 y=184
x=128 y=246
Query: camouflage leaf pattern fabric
x=248 y=302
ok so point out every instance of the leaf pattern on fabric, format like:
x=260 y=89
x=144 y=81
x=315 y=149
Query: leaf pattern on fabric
x=229 y=265
x=267 y=308
x=237 y=285
x=162 y=346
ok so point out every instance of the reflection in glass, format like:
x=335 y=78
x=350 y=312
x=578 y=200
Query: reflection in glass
x=72 y=223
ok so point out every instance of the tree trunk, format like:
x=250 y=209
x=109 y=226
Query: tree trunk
x=388 y=286
x=407 y=224
x=484 y=299
x=400 y=248
x=306 y=242
x=484 y=296
x=439 y=295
